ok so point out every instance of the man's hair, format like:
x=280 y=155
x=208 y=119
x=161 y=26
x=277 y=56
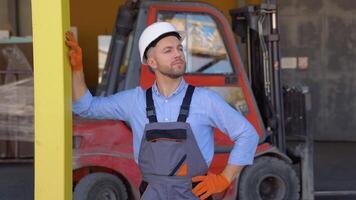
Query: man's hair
x=154 y=42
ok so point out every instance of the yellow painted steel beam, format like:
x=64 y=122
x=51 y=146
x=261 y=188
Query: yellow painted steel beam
x=53 y=115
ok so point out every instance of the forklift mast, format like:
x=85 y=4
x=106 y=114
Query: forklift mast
x=112 y=79
x=257 y=27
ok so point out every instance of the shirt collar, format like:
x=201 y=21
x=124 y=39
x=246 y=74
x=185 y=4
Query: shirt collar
x=180 y=87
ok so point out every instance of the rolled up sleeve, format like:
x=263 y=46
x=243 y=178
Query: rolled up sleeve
x=117 y=106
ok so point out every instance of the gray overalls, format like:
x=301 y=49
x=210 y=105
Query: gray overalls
x=169 y=155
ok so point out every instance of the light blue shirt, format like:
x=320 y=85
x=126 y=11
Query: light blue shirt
x=207 y=110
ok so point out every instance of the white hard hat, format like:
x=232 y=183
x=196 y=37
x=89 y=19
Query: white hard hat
x=154 y=31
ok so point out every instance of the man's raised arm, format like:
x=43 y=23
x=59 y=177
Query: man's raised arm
x=76 y=61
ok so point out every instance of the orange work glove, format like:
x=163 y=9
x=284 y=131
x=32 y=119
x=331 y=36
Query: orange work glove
x=75 y=52
x=209 y=184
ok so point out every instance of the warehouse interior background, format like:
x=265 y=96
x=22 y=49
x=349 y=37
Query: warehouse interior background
x=318 y=50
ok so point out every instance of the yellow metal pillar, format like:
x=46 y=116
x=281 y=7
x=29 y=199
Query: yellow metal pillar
x=53 y=115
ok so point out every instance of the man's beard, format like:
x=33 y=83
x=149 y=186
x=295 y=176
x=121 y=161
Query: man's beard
x=174 y=74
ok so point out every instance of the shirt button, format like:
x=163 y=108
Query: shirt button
x=166 y=101
x=166 y=119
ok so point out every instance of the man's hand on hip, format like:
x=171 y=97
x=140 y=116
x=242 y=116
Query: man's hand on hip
x=210 y=184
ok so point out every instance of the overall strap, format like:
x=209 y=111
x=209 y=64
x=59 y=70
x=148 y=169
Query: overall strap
x=184 y=108
x=150 y=108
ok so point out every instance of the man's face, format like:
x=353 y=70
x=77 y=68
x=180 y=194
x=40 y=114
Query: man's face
x=167 y=58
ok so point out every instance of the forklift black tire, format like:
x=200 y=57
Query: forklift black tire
x=269 y=178
x=100 y=186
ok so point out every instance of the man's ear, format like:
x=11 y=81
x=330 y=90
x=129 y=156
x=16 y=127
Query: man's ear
x=151 y=62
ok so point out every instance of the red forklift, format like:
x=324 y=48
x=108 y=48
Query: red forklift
x=103 y=163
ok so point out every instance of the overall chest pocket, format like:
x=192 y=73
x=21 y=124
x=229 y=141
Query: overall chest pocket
x=163 y=151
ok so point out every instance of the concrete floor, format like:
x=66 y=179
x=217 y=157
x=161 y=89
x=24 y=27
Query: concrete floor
x=335 y=165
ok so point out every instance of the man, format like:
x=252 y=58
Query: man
x=172 y=122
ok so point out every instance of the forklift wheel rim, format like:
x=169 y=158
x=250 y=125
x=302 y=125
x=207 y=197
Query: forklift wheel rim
x=271 y=187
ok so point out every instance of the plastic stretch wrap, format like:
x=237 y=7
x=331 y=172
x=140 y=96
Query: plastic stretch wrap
x=16 y=97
